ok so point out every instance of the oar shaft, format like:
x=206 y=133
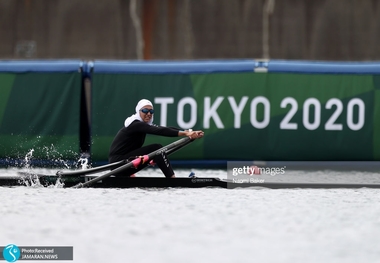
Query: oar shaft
x=136 y=162
x=111 y=165
x=92 y=170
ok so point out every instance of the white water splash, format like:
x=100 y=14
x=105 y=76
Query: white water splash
x=83 y=162
x=27 y=159
x=30 y=178
x=53 y=155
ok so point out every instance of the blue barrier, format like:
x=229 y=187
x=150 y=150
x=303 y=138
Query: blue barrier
x=22 y=66
x=172 y=67
x=215 y=66
x=284 y=66
x=188 y=67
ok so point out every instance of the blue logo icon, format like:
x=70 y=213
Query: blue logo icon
x=11 y=253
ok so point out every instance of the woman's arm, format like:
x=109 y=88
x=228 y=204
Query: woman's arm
x=165 y=131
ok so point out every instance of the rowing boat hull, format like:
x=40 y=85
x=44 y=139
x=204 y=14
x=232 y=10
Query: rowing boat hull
x=162 y=182
x=118 y=182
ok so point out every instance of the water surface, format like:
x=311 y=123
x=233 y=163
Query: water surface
x=199 y=225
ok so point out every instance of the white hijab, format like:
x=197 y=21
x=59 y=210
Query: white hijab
x=136 y=116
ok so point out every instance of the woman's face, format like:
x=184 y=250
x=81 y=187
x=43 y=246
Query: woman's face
x=146 y=117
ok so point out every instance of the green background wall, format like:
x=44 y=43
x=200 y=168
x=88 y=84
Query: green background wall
x=40 y=111
x=347 y=124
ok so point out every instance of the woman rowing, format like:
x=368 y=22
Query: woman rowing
x=128 y=142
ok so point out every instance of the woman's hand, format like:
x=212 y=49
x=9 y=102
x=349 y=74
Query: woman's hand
x=192 y=134
x=195 y=134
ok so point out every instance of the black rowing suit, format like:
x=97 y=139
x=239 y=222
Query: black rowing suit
x=129 y=140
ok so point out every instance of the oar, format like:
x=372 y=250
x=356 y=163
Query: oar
x=109 y=166
x=136 y=162
x=92 y=170
x=100 y=168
